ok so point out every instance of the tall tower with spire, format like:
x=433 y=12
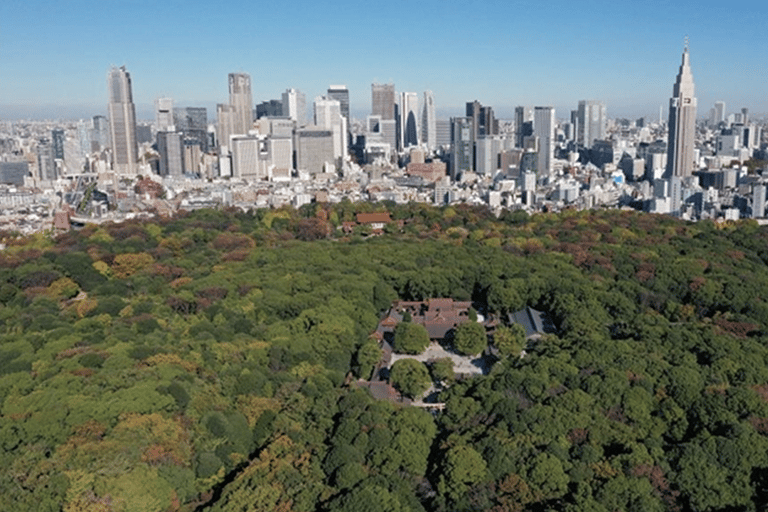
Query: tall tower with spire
x=682 y=122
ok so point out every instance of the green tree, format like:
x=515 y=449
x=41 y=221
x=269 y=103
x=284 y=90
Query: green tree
x=470 y=338
x=410 y=338
x=366 y=358
x=410 y=377
x=509 y=340
x=462 y=468
x=442 y=369
x=366 y=498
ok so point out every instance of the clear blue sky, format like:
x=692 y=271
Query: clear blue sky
x=54 y=55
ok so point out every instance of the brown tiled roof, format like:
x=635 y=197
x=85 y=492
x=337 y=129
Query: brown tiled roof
x=370 y=218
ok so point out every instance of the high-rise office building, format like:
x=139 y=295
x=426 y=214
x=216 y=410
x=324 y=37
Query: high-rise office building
x=122 y=121
x=544 y=130
x=462 y=146
x=328 y=116
x=46 y=166
x=429 y=122
x=164 y=114
x=271 y=108
x=758 y=201
x=719 y=113
x=225 y=119
x=99 y=136
x=409 y=115
x=340 y=93
x=192 y=122
x=314 y=150
x=483 y=120
x=383 y=101
x=523 y=124
x=443 y=128
x=84 y=137
x=295 y=106
x=682 y=123
x=57 y=140
x=242 y=101
x=170 y=147
x=590 y=125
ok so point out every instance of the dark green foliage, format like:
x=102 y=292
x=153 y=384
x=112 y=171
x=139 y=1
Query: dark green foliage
x=410 y=377
x=410 y=338
x=92 y=360
x=207 y=464
x=441 y=370
x=10 y=362
x=179 y=394
x=470 y=338
x=78 y=266
x=110 y=305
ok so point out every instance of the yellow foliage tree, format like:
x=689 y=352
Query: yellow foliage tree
x=125 y=265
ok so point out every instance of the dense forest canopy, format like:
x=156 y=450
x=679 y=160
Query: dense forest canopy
x=209 y=362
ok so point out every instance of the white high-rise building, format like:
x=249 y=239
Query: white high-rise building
x=590 y=122
x=409 y=115
x=328 y=115
x=164 y=114
x=122 y=121
x=682 y=123
x=225 y=119
x=544 y=130
x=241 y=100
x=429 y=122
x=295 y=106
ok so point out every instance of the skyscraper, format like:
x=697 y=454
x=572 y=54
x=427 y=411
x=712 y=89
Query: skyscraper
x=122 y=121
x=192 y=122
x=682 y=123
x=340 y=93
x=383 y=101
x=523 y=124
x=46 y=167
x=99 y=137
x=241 y=100
x=409 y=114
x=225 y=119
x=462 y=146
x=590 y=125
x=328 y=116
x=429 y=122
x=483 y=120
x=163 y=114
x=169 y=145
x=719 y=114
x=57 y=142
x=544 y=130
x=271 y=108
x=295 y=106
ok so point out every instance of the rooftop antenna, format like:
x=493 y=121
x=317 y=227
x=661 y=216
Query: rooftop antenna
x=686 y=43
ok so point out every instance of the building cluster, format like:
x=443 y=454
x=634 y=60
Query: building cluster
x=276 y=152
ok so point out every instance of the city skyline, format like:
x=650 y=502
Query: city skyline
x=557 y=57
